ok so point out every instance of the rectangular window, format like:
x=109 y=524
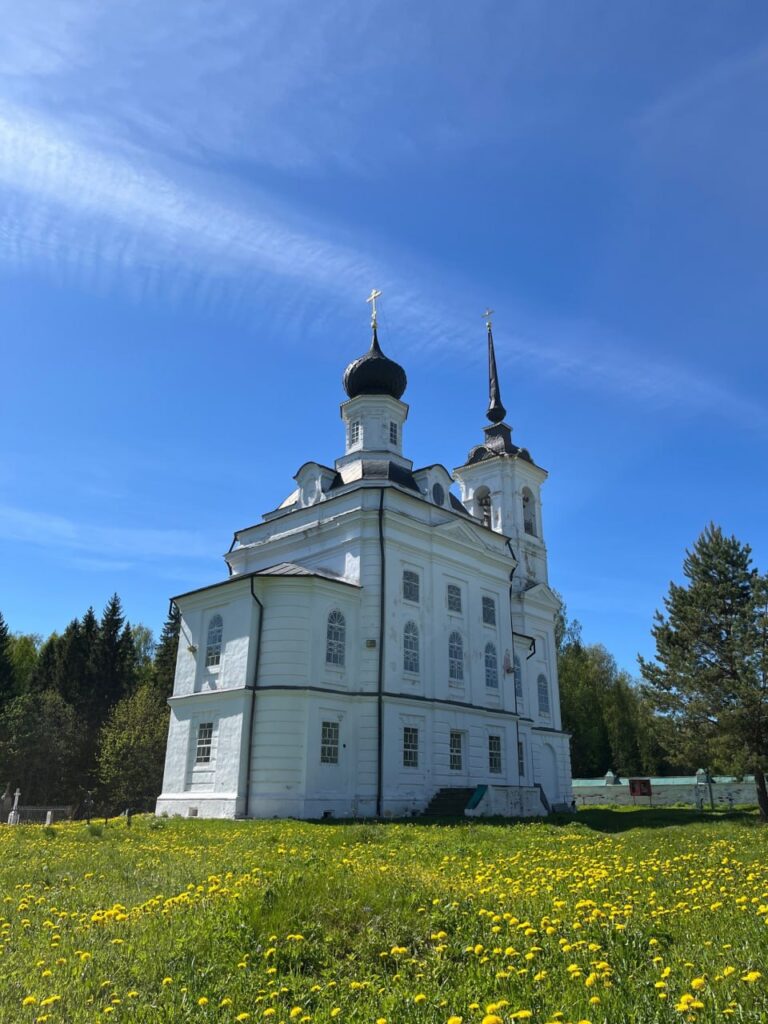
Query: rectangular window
x=494 y=754
x=520 y=759
x=354 y=433
x=393 y=433
x=411 y=586
x=454 y=598
x=457 y=752
x=204 y=741
x=329 y=743
x=489 y=611
x=410 y=747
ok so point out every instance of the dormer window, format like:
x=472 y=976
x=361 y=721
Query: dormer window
x=393 y=433
x=355 y=433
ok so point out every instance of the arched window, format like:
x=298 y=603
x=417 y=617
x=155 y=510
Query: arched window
x=529 y=512
x=213 y=643
x=411 y=647
x=518 y=682
x=483 y=504
x=455 y=658
x=543 y=687
x=335 y=638
x=491 y=667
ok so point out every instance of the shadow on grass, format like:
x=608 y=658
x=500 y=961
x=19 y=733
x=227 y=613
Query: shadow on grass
x=610 y=820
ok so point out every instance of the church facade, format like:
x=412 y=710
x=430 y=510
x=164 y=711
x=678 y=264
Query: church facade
x=379 y=638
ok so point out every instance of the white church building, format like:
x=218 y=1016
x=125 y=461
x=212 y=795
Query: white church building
x=381 y=644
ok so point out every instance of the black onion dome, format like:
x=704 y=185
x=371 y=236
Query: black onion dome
x=374 y=374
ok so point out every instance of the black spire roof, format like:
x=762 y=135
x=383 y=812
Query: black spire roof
x=374 y=374
x=498 y=437
x=496 y=411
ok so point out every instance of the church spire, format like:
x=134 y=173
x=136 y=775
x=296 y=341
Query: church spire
x=496 y=411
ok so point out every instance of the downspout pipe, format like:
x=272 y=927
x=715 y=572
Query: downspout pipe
x=380 y=682
x=252 y=709
x=514 y=680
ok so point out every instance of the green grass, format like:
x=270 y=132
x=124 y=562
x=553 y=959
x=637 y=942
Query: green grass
x=632 y=915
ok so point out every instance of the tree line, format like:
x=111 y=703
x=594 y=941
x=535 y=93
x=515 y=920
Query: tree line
x=702 y=700
x=86 y=710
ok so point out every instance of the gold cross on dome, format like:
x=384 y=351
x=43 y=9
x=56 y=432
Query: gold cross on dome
x=372 y=299
x=487 y=316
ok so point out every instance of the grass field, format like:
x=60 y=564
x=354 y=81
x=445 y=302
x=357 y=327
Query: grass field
x=619 y=916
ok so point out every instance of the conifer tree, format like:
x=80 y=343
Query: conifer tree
x=165 y=653
x=114 y=662
x=709 y=678
x=7 y=674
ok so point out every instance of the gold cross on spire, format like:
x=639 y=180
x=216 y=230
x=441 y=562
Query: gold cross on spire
x=487 y=316
x=372 y=299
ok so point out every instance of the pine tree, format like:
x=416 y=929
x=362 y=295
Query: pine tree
x=114 y=662
x=7 y=674
x=710 y=674
x=165 y=653
x=46 y=671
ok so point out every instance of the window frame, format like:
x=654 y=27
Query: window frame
x=355 y=433
x=489 y=603
x=214 y=641
x=521 y=759
x=455 y=660
x=329 y=741
x=411 y=651
x=410 y=746
x=336 y=645
x=495 y=756
x=456 y=752
x=453 y=593
x=394 y=433
x=491 y=667
x=204 y=743
x=542 y=687
x=411 y=583
x=530 y=525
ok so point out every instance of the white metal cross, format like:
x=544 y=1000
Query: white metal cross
x=372 y=299
x=487 y=316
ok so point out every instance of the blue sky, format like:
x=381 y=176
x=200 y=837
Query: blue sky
x=196 y=198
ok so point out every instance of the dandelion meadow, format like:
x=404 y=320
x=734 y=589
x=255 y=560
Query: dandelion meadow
x=613 y=917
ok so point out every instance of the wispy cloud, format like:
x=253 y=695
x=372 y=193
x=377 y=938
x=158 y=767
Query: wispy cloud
x=99 y=213
x=122 y=546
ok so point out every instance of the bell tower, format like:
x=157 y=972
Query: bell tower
x=501 y=484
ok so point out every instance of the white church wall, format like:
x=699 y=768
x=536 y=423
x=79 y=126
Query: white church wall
x=278 y=758
x=212 y=788
x=348 y=787
x=236 y=607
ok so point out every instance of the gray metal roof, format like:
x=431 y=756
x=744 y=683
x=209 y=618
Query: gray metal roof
x=281 y=569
